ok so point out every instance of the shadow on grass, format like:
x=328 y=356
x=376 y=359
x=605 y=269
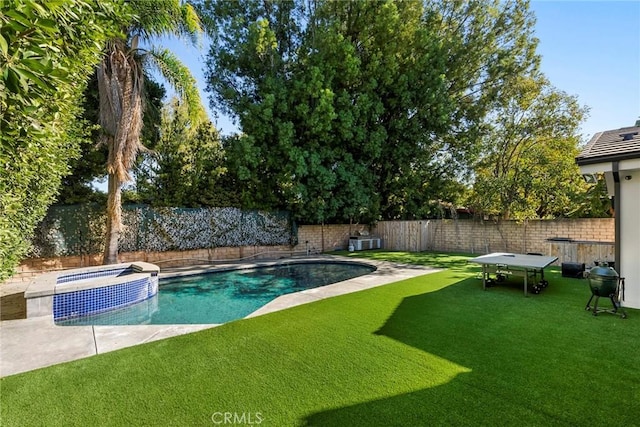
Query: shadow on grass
x=540 y=360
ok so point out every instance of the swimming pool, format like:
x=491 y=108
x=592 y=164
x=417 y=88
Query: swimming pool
x=220 y=297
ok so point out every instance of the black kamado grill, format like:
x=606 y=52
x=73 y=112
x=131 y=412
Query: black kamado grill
x=604 y=281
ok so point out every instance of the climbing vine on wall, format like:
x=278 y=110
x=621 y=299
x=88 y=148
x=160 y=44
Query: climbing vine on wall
x=79 y=229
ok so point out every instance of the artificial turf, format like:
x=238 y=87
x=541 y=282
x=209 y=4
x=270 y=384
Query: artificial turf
x=433 y=350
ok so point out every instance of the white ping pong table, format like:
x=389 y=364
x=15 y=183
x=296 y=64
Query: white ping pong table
x=503 y=264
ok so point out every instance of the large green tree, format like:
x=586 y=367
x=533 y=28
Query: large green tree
x=47 y=52
x=488 y=46
x=335 y=102
x=372 y=96
x=527 y=168
x=120 y=85
x=361 y=110
x=250 y=78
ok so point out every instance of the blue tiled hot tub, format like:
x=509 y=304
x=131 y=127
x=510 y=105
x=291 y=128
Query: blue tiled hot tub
x=91 y=290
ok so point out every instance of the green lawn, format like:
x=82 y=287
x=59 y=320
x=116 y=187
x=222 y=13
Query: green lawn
x=433 y=350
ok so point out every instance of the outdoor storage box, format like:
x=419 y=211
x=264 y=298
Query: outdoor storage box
x=572 y=269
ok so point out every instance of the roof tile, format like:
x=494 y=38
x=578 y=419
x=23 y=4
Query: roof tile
x=610 y=146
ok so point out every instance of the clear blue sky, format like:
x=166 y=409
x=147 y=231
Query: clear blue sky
x=590 y=49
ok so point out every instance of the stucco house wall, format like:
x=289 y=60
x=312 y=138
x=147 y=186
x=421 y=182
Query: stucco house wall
x=616 y=154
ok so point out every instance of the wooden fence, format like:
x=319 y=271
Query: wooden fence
x=410 y=236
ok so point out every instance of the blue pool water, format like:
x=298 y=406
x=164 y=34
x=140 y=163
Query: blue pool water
x=223 y=296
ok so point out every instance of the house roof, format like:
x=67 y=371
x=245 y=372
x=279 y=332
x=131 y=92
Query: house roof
x=612 y=145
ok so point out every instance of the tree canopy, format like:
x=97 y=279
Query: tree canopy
x=186 y=167
x=527 y=167
x=364 y=110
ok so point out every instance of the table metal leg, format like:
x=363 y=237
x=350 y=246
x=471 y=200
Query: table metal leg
x=484 y=277
x=526 y=273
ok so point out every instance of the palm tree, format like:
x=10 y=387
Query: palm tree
x=120 y=85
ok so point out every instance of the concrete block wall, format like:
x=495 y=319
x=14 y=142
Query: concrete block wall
x=32 y=267
x=469 y=236
x=325 y=238
x=513 y=236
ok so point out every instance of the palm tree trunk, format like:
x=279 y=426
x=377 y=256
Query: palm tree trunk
x=114 y=221
x=120 y=86
x=120 y=82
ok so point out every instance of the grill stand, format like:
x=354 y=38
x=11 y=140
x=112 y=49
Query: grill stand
x=615 y=301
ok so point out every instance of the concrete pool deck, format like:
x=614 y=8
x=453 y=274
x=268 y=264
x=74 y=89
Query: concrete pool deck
x=28 y=344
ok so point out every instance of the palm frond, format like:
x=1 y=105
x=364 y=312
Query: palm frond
x=121 y=78
x=181 y=79
x=191 y=24
x=120 y=82
x=166 y=17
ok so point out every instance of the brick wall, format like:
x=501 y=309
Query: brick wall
x=512 y=236
x=470 y=236
x=31 y=267
x=320 y=238
x=330 y=237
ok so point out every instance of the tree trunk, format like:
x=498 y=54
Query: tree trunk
x=114 y=221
